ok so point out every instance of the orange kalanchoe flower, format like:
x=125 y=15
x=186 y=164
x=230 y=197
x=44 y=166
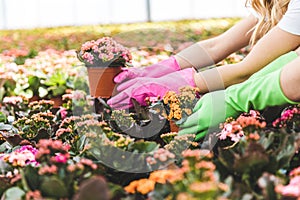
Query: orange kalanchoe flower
x=142 y=186
x=167 y=175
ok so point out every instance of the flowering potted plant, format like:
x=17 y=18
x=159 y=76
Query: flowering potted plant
x=103 y=59
x=176 y=107
x=252 y=154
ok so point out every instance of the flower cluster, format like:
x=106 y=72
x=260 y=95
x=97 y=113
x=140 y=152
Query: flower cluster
x=52 y=150
x=39 y=76
x=104 y=51
x=13 y=100
x=15 y=106
x=168 y=137
x=161 y=157
x=41 y=105
x=31 y=126
x=181 y=104
x=292 y=190
x=198 y=173
x=83 y=163
x=55 y=170
x=246 y=124
x=21 y=157
x=175 y=106
x=288 y=118
x=181 y=143
x=119 y=140
x=172 y=100
x=122 y=119
x=147 y=185
x=76 y=102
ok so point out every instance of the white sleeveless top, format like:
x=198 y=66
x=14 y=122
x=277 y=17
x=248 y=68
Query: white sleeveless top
x=290 y=21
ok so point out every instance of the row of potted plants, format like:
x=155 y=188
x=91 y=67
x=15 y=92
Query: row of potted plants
x=73 y=151
x=83 y=147
x=47 y=75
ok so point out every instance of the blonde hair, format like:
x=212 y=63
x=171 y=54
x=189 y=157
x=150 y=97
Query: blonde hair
x=270 y=11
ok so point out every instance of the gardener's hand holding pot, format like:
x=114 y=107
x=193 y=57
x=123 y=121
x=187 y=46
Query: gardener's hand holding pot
x=142 y=87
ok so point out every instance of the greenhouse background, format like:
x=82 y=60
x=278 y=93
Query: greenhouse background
x=16 y=14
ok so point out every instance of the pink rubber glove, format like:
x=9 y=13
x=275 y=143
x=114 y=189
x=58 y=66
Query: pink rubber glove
x=154 y=71
x=141 y=87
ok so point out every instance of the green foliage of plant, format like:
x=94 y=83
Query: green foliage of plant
x=20 y=60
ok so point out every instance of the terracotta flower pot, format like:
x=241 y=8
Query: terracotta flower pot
x=173 y=126
x=34 y=98
x=57 y=101
x=101 y=81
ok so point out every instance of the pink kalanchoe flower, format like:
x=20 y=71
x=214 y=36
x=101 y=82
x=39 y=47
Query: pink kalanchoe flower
x=62 y=131
x=48 y=170
x=293 y=188
x=56 y=144
x=13 y=100
x=34 y=195
x=235 y=130
x=63 y=112
x=231 y=130
x=290 y=190
x=77 y=95
x=103 y=50
x=22 y=156
x=89 y=163
x=61 y=158
x=17 y=159
x=295 y=172
x=287 y=115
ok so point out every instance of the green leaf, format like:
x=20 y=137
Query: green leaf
x=32 y=177
x=58 y=78
x=254 y=157
x=42 y=92
x=285 y=155
x=28 y=93
x=4 y=147
x=161 y=191
x=14 y=193
x=34 y=82
x=5 y=127
x=267 y=141
x=143 y=146
x=58 y=90
x=53 y=187
x=2 y=117
x=42 y=133
x=93 y=187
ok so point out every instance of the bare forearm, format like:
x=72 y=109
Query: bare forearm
x=219 y=78
x=264 y=52
x=209 y=52
x=202 y=54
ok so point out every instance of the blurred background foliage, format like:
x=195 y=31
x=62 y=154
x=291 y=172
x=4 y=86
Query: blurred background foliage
x=175 y=34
